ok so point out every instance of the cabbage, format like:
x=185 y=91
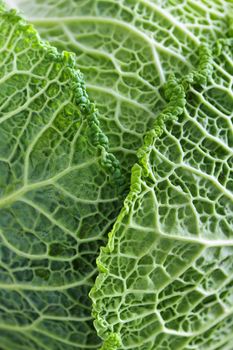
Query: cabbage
x=166 y=276
x=59 y=190
x=160 y=74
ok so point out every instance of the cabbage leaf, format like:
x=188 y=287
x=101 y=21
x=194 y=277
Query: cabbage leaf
x=126 y=50
x=166 y=276
x=58 y=194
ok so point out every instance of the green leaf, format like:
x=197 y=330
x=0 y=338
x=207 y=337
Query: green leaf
x=59 y=190
x=166 y=276
x=127 y=49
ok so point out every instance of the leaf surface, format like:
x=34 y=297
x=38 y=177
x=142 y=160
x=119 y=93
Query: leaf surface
x=166 y=276
x=58 y=194
x=126 y=50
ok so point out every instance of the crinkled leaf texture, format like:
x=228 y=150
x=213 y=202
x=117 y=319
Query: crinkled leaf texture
x=166 y=276
x=58 y=194
x=127 y=49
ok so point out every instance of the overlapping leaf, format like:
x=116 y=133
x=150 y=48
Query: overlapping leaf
x=58 y=194
x=127 y=49
x=166 y=276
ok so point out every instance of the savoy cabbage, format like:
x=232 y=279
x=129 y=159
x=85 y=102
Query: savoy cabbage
x=166 y=274
x=58 y=194
x=126 y=50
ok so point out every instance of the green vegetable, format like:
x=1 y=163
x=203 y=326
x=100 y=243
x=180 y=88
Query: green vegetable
x=166 y=276
x=58 y=194
x=126 y=50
